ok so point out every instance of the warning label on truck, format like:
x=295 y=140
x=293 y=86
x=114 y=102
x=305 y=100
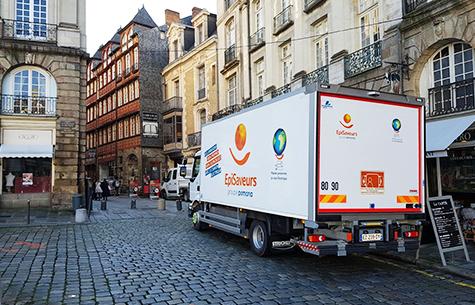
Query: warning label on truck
x=372 y=182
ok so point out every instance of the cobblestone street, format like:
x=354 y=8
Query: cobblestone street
x=162 y=260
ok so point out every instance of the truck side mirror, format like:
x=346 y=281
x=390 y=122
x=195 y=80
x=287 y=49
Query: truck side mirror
x=183 y=171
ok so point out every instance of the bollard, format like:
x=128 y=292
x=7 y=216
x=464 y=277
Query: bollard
x=81 y=215
x=103 y=205
x=161 y=204
x=29 y=212
x=179 y=206
x=133 y=203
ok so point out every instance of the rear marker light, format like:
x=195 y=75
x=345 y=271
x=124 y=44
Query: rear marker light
x=411 y=234
x=316 y=238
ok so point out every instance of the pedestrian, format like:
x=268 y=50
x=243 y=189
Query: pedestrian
x=105 y=189
x=98 y=191
x=117 y=186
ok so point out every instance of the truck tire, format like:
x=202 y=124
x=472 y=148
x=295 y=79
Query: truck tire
x=259 y=238
x=197 y=224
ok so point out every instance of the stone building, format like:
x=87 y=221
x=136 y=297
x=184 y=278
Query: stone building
x=124 y=87
x=190 y=84
x=438 y=40
x=42 y=121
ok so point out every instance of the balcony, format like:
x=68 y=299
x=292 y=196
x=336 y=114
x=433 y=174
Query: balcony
x=228 y=4
x=226 y=111
x=230 y=55
x=363 y=60
x=172 y=104
x=25 y=30
x=318 y=76
x=310 y=5
x=283 y=20
x=28 y=105
x=282 y=90
x=194 y=140
x=412 y=5
x=257 y=40
x=201 y=93
x=452 y=98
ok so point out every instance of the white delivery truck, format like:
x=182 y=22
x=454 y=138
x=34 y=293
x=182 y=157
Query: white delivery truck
x=333 y=171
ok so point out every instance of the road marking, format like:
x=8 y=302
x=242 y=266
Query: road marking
x=425 y=273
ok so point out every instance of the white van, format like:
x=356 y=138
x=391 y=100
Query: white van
x=175 y=186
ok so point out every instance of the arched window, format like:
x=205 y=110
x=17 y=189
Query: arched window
x=230 y=34
x=201 y=118
x=451 y=79
x=29 y=90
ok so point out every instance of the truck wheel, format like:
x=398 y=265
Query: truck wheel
x=259 y=238
x=197 y=224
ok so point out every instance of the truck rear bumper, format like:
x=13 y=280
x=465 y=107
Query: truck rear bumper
x=341 y=248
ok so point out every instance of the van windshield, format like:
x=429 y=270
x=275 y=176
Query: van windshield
x=196 y=166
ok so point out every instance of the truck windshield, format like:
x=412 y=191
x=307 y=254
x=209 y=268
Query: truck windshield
x=196 y=166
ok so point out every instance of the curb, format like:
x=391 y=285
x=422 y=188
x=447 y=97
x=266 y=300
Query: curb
x=428 y=265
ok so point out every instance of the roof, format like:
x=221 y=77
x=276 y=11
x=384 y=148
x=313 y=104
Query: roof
x=116 y=37
x=186 y=20
x=143 y=18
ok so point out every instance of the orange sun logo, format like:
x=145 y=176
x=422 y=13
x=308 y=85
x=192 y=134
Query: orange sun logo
x=347 y=121
x=240 y=139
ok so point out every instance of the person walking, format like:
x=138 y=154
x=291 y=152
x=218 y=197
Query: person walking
x=117 y=186
x=105 y=189
x=98 y=191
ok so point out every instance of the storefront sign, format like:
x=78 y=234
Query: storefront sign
x=67 y=124
x=148 y=116
x=446 y=226
x=27 y=137
x=27 y=179
x=467 y=136
x=462 y=154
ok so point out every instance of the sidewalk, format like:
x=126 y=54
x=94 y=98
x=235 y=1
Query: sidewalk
x=429 y=257
x=118 y=208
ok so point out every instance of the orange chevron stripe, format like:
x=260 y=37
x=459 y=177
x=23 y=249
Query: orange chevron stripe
x=407 y=199
x=333 y=198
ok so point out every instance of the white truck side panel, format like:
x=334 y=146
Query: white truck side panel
x=370 y=156
x=241 y=168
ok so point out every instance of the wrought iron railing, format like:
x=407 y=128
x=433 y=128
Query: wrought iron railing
x=172 y=104
x=28 y=105
x=363 y=60
x=309 y=5
x=201 y=93
x=451 y=98
x=319 y=76
x=194 y=140
x=228 y=3
x=412 y=5
x=254 y=102
x=257 y=39
x=283 y=19
x=25 y=30
x=230 y=54
x=227 y=111
x=282 y=90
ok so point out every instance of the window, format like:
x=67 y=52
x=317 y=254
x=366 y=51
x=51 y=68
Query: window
x=175 y=49
x=114 y=132
x=119 y=68
x=119 y=98
x=131 y=92
x=124 y=42
x=201 y=118
x=259 y=66
x=126 y=128
x=114 y=101
x=109 y=104
x=285 y=4
x=200 y=34
x=31 y=19
x=453 y=64
x=125 y=94
x=136 y=84
x=232 y=90
x=113 y=72
x=230 y=34
x=259 y=15
x=286 y=63
x=370 y=32
x=321 y=44
x=127 y=64
x=132 y=126
x=201 y=82
x=138 y=125
x=121 y=130
x=136 y=58
x=213 y=74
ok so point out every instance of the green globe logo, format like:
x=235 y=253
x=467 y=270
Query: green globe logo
x=279 y=143
x=396 y=125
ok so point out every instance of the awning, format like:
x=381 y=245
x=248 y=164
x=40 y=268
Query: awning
x=26 y=151
x=441 y=133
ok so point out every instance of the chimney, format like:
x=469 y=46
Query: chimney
x=171 y=16
x=195 y=11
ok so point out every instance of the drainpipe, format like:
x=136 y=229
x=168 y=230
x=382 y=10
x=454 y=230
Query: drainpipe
x=248 y=46
x=217 y=75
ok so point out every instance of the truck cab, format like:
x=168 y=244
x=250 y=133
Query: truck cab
x=175 y=185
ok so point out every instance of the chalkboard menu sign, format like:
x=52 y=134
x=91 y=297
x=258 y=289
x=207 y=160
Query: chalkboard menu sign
x=446 y=226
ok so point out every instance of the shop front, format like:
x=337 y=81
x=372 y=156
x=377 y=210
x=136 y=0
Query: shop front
x=27 y=167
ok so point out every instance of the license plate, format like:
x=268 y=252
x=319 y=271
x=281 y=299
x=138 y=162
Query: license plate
x=371 y=237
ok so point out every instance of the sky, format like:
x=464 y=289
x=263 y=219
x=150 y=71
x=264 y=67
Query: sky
x=104 y=17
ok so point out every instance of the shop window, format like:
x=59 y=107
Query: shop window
x=24 y=175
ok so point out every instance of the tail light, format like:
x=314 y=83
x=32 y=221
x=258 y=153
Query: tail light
x=316 y=238
x=411 y=234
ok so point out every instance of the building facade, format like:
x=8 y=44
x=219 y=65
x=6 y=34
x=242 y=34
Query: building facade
x=123 y=112
x=190 y=84
x=42 y=120
x=438 y=46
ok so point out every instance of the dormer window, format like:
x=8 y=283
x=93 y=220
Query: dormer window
x=200 y=34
